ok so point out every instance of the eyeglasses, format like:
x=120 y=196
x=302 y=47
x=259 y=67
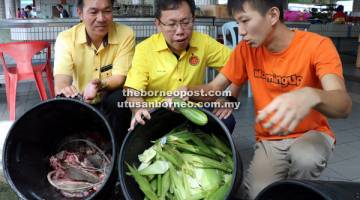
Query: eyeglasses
x=173 y=26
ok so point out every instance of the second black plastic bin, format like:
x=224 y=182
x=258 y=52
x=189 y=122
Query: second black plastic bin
x=162 y=122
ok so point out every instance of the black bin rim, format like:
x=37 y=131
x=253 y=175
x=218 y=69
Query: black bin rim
x=7 y=176
x=302 y=183
x=235 y=156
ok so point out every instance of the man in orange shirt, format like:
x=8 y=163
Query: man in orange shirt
x=296 y=79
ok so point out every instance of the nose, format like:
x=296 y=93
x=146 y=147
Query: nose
x=100 y=17
x=179 y=29
x=242 y=31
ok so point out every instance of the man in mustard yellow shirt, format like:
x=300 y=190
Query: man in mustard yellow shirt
x=93 y=58
x=175 y=57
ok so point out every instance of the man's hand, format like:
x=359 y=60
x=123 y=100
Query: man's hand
x=222 y=113
x=91 y=90
x=288 y=110
x=69 y=91
x=138 y=118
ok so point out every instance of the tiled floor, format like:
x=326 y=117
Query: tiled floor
x=343 y=165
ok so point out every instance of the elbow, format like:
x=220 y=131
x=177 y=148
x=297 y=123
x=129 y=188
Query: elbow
x=118 y=81
x=346 y=111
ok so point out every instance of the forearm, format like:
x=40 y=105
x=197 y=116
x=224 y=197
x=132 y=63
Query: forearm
x=113 y=82
x=235 y=90
x=61 y=82
x=134 y=99
x=202 y=98
x=218 y=84
x=332 y=103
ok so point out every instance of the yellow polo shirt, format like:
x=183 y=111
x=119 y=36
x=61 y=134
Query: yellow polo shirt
x=156 y=68
x=77 y=57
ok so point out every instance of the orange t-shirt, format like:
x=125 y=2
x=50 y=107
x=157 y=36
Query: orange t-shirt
x=307 y=59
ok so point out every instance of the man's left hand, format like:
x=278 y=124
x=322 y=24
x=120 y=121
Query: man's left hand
x=222 y=112
x=286 y=111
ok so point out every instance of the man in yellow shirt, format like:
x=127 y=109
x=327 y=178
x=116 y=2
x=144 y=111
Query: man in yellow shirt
x=93 y=58
x=173 y=58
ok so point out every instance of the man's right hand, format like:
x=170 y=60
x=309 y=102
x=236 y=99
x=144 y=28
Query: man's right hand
x=69 y=91
x=139 y=118
x=182 y=91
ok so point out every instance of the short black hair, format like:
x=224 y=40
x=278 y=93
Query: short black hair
x=340 y=8
x=29 y=7
x=59 y=6
x=161 y=5
x=80 y=3
x=260 y=5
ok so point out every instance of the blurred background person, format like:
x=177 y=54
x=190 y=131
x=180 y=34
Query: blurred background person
x=22 y=13
x=339 y=17
x=63 y=12
x=18 y=13
x=28 y=11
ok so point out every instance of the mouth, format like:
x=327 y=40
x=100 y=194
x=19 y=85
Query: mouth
x=181 y=40
x=101 y=27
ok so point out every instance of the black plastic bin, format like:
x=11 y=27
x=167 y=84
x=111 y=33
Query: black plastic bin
x=311 y=190
x=34 y=137
x=163 y=121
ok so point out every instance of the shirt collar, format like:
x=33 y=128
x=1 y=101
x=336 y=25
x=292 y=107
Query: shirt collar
x=160 y=42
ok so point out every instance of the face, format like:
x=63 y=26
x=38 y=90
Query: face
x=176 y=25
x=254 y=27
x=97 y=16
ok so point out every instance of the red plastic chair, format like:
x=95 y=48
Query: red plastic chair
x=22 y=53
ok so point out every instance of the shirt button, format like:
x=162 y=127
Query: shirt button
x=96 y=69
x=180 y=79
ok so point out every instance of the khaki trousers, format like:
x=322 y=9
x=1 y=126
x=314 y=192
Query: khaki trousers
x=299 y=158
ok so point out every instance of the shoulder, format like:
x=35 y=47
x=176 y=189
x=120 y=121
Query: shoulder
x=206 y=42
x=123 y=30
x=150 y=42
x=202 y=37
x=70 y=34
x=311 y=39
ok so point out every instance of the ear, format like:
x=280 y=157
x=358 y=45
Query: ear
x=274 y=15
x=80 y=13
x=158 y=25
